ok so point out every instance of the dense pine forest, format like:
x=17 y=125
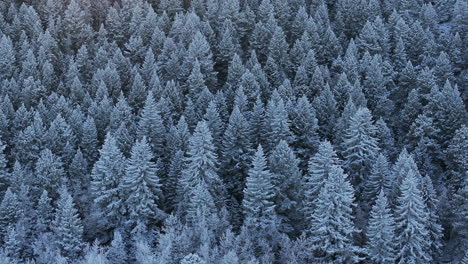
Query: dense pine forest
x=233 y=131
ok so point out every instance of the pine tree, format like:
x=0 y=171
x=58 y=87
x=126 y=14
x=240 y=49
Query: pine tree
x=107 y=175
x=141 y=186
x=151 y=126
x=50 y=172
x=67 y=227
x=258 y=196
x=379 y=179
x=44 y=213
x=360 y=145
x=117 y=252
x=332 y=227
x=7 y=61
x=411 y=218
x=89 y=140
x=9 y=212
x=381 y=244
x=277 y=124
x=286 y=178
x=236 y=153
x=305 y=128
x=201 y=166
x=319 y=167
x=3 y=169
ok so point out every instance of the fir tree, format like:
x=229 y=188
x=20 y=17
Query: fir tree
x=50 y=172
x=332 y=227
x=67 y=227
x=9 y=212
x=318 y=172
x=286 y=178
x=258 y=196
x=141 y=186
x=360 y=145
x=379 y=179
x=381 y=245
x=411 y=218
x=107 y=175
x=201 y=166
x=151 y=126
x=236 y=153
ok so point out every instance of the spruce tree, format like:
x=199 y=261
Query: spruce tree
x=379 y=179
x=9 y=212
x=201 y=166
x=236 y=153
x=286 y=178
x=412 y=223
x=67 y=227
x=151 y=126
x=360 y=145
x=332 y=228
x=141 y=186
x=50 y=172
x=318 y=173
x=381 y=245
x=106 y=177
x=259 y=208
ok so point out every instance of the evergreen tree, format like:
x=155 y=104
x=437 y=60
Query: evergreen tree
x=381 y=245
x=318 y=173
x=49 y=172
x=259 y=208
x=305 y=128
x=379 y=179
x=286 y=178
x=201 y=166
x=277 y=124
x=151 y=126
x=107 y=175
x=141 y=186
x=67 y=227
x=236 y=153
x=9 y=211
x=44 y=213
x=332 y=227
x=412 y=223
x=360 y=145
x=89 y=140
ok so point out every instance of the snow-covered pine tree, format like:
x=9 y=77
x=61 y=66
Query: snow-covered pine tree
x=201 y=166
x=332 y=227
x=286 y=178
x=412 y=223
x=236 y=153
x=381 y=241
x=67 y=227
x=151 y=126
x=259 y=208
x=106 y=177
x=141 y=186
x=360 y=146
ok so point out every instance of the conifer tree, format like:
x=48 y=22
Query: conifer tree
x=318 y=172
x=201 y=166
x=412 y=223
x=277 y=124
x=259 y=209
x=44 y=213
x=151 y=126
x=305 y=128
x=236 y=153
x=379 y=179
x=106 y=177
x=50 y=172
x=141 y=186
x=67 y=227
x=89 y=140
x=381 y=245
x=286 y=178
x=332 y=227
x=9 y=212
x=360 y=145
